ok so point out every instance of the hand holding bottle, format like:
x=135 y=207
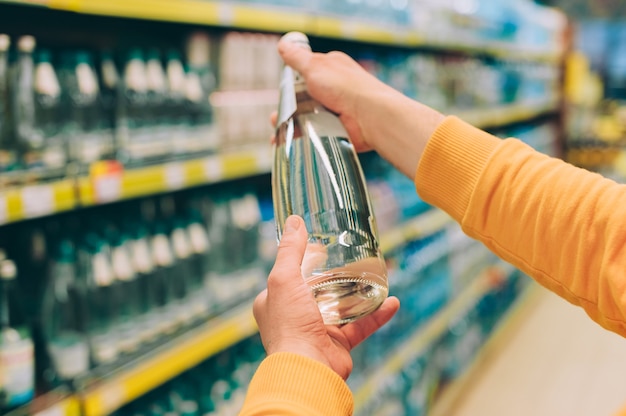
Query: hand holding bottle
x=376 y=116
x=289 y=319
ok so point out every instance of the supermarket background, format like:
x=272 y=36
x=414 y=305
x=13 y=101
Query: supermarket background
x=136 y=214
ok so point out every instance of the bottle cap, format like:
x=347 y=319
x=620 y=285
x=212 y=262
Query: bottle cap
x=26 y=43
x=8 y=271
x=296 y=37
x=5 y=42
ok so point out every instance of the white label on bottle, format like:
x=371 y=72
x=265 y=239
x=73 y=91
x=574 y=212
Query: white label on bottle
x=161 y=250
x=109 y=74
x=199 y=238
x=213 y=168
x=70 y=354
x=141 y=256
x=122 y=266
x=176 y=77
x=135 y=76
x=193 y=88
x=37 y=200
x=180 y=243
x=174 y=175
x=155 y=76
x=17 y=376
x=102 y=273
x=54 y=155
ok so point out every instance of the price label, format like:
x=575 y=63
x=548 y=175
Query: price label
x=175 y=176
x=106 y=177
x=37 y=200
x=226 y=14
x=213 y=169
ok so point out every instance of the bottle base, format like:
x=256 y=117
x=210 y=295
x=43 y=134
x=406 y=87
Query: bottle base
x=344 y=298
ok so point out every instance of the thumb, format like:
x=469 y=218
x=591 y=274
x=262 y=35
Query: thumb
x=294 y=55
x=290 y=251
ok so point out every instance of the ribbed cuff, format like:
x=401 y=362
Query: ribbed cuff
x=451 y=165
x=287 y=383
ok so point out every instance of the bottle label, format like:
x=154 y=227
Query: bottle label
x=181 y=244
x=199 y=238
x=141 y=256
x=103 y=275
x=17 y=372
x=161 y=250
x=122 y=265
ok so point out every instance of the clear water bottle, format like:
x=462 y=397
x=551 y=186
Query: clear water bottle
x=317 y=175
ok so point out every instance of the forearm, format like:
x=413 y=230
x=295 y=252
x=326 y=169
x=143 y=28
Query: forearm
x=288 y=384
x=560 y=224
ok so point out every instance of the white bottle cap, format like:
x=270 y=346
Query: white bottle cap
x=5 y=42
x=296 y=37
x=26 y=43
x=8 y=271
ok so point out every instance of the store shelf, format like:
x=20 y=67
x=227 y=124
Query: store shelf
x=421 y=226
x=107 y=184
x=58 y=402
x=36 y=200
x=277 y=19
x=169 y=360
x=506 y=114
x=428 y=333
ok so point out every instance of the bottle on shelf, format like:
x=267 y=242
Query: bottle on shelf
x=179 y=128
x=110 y=96
x=157 y=109
x=62 y=310
x=88 y=136
x=23 y=103
x=8 y=148
x=16 y=344
x=317 y=175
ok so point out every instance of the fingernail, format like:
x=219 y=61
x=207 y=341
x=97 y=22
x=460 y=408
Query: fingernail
x=292 y=224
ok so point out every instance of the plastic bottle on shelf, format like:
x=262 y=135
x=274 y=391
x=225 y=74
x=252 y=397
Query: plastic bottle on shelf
x=17 y=383
x=31 y=144
x=8 y=147
x=200 y=258
x=157 y=117
x=134 y=139
x=110 y=95
x=317 y=175
x=62 y=312
x=103 y=298
x=90 y=140
x=180 y=136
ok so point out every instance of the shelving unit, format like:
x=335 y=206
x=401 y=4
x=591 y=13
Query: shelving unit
x=109 y=182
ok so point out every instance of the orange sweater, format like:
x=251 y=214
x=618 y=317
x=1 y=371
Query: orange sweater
x=562 y=225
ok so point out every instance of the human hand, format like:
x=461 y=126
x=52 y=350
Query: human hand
x=376 y=116
x=289 y=319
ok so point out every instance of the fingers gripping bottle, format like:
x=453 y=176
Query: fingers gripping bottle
x=317 y=175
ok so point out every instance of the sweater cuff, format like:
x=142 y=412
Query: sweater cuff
x=297 y=385
x=452 y=164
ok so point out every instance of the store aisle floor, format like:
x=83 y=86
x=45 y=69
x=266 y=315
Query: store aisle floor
x=551 y=360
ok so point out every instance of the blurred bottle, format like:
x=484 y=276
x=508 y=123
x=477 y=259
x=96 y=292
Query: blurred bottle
x=31 y=144
x=133 y=128
x=8 y=148
x=61 y=316
x=86 y=126
x=16 y=345
x=200 y=264
x=110 y=97
x=102 y=297
x=129 y=289
x=181 y=139
x=158 y=117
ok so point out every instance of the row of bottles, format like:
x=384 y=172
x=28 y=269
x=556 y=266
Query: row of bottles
x=60 y=111
x=215 y=387
x=102 y=287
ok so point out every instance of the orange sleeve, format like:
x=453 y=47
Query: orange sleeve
x=287 y=384
x=562 y=225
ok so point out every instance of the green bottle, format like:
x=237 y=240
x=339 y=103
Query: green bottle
x=8 y=147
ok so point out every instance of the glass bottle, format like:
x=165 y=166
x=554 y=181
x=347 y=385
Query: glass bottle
x=317 y=175
x=8 y=149
x=16 y=345
x=62 y=310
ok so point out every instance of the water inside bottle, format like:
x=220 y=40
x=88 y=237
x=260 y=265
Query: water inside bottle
x=319 y=178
